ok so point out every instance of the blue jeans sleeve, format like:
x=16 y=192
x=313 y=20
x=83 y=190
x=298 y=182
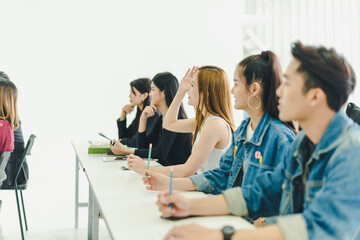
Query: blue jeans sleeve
x=202 y=184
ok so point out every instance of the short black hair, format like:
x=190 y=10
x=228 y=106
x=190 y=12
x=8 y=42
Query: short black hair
x=326 y=69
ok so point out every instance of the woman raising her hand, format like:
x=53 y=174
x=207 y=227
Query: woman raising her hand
x=209 y=92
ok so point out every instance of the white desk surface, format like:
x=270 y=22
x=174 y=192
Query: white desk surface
x=129 y=210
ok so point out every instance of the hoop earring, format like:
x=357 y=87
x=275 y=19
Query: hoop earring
x=248 y=102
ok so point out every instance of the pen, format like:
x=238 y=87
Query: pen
x=150 y=146
x=171 y=182
x=235 y=148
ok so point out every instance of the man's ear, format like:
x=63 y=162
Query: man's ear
x=315 y=96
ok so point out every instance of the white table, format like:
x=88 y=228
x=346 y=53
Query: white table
x=128 y=209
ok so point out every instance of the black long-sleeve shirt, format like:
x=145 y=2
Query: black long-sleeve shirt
x=170 y=148
x=129 y=135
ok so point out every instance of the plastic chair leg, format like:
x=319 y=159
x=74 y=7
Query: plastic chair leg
x=23 y=207
x=19 y=213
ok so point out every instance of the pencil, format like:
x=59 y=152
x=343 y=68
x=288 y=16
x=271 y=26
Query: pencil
x=149 y=156
x=171 y=182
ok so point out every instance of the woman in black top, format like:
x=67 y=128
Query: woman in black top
x=169 y=148
x=139 y=96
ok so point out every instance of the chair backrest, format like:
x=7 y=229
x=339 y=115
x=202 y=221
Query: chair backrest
x=2 y=176
x=353 y=112
x=27 y=152
x=4 y=159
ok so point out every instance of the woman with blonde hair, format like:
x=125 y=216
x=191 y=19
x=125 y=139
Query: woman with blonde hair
x=209 y=92
x=9 y=120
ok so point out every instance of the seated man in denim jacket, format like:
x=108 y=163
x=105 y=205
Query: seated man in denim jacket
x=316 y=186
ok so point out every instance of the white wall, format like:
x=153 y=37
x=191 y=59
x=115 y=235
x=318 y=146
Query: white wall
x=331 y=23
x=72 y=61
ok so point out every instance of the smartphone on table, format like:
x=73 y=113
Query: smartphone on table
x=103 y=135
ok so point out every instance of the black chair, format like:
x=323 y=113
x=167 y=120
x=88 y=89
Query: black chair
x=353 y=112
x=17 y=187
x=4 y=159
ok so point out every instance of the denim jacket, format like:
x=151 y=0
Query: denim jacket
x=271 y=139
x=328 y=207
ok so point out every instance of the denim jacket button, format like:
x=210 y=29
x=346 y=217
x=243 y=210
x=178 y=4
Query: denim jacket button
x=230 y=173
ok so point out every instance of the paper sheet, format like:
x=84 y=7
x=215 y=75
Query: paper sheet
x=128 y=173
x=216 y=222
x=136 y=197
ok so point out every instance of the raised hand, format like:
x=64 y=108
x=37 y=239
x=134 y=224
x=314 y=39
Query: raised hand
x=185 y=83
x=156 y=181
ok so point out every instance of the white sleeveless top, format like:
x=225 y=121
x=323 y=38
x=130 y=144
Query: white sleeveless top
x=212 y=161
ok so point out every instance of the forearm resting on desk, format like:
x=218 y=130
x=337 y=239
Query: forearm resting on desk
x=210 y=206
x=270 y=232
x=183 y=184
x=180 y=171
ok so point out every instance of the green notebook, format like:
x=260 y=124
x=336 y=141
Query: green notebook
x=99 y=149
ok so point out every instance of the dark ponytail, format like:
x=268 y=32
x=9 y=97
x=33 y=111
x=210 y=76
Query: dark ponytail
x=265 y=68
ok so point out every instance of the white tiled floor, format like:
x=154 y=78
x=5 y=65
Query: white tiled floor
x=49 y=199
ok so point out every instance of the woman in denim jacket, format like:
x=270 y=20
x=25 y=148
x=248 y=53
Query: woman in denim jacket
x=259 y=142
x=315 y=187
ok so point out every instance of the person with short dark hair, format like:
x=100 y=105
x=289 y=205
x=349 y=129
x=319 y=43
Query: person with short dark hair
x=314 y=189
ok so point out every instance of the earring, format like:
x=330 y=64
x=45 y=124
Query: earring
x=248 y=102
x=312 y=103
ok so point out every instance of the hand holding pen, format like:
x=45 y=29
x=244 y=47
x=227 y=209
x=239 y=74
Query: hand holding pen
x=180 y=205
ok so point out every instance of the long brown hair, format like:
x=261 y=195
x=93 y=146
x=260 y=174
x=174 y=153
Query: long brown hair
x=214 y=96
x=8 y=102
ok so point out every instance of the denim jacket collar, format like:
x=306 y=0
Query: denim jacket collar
x=330 y=138
x=259 y=132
